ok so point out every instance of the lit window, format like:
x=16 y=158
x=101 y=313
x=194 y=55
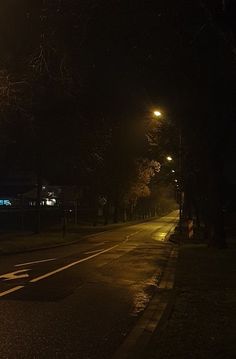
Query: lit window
x=50 y=201
x=5 y=202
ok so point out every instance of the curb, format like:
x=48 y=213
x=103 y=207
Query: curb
x=54 y=245
x=167 y=237
x=78 y=240
x=156 y=313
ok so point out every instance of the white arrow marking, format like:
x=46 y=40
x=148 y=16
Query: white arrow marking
x=41 y=261
x=15 y=275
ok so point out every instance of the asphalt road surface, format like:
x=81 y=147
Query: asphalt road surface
x=81 y=300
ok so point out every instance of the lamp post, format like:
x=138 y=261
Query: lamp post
x=157 y=113
x=180 y=179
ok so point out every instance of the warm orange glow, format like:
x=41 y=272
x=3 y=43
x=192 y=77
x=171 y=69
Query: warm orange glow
x=157 y=113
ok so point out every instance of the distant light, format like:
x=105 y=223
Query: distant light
x=176 y=180
x=50 y=201
x=173 y=171
x=5 y=202
x=169 y=158
x=157 y=113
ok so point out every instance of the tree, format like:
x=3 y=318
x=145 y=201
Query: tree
x=47 y=126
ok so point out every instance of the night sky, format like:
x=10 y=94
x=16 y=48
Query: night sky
x=130 y=56
x=139 y=54
x=148 y=50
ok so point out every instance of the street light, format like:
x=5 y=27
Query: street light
x=157 y=113
x=180 y=170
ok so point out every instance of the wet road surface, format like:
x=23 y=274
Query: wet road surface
x=80 y=301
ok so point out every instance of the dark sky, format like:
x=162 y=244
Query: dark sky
x=130 y=50
x=130 y=56
x=164 y=53
x=171 y=54
x=125 y=51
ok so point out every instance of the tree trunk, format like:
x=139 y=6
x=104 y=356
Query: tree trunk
x=115 y=215
x=214 y=215
x=38 y=203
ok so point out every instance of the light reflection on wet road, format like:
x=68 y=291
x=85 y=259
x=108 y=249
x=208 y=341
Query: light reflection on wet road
x=84 y=310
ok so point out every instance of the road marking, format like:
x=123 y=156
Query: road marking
x=97 y=250
x=15 y=275
x=99 y=244
x=49 y=274
x=34 y=262
x=133 y=234
x=34 y=280
x=11 y=290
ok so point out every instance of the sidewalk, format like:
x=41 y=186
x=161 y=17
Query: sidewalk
x=202 y=320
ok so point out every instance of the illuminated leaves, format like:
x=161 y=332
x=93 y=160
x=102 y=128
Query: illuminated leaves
x=144 y=172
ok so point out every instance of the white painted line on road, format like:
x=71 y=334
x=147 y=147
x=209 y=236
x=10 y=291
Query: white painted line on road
x=34 y=262
x=97 y=250
x=133 y=234
x=11 y=290
x=49 y=274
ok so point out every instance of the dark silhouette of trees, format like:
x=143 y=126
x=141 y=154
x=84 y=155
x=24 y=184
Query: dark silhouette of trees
x=70 y=98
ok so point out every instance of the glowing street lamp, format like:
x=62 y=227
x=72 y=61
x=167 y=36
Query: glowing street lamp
x=169 y=158
x=173 y=171
x=157 y=113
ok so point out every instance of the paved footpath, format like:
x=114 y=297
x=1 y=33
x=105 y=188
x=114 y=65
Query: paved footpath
x=201 y=321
